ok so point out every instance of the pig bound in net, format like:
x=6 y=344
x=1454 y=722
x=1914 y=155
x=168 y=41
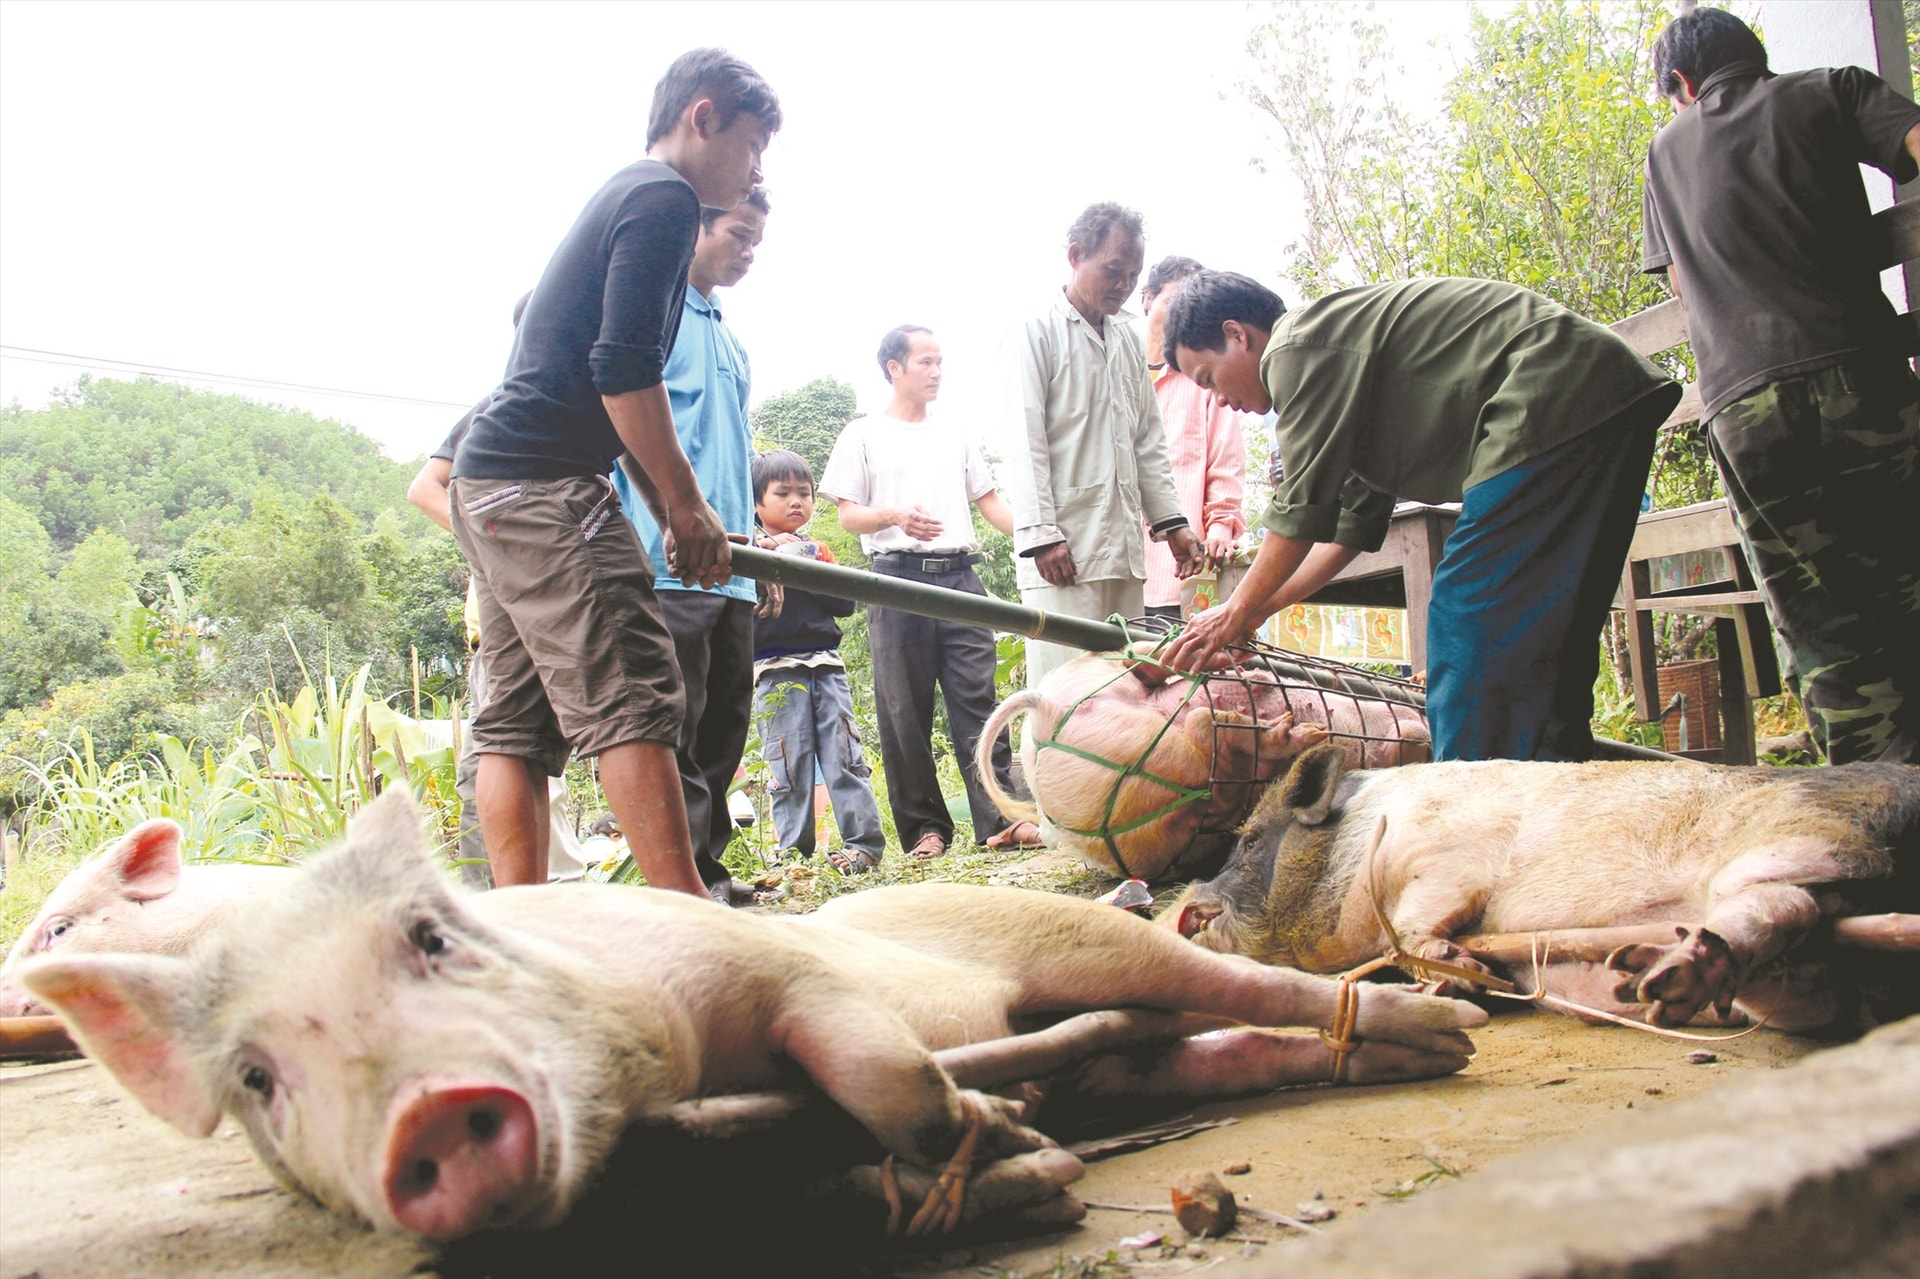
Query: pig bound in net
x=1164 y=796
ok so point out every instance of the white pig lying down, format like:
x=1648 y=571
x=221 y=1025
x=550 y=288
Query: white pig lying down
x=1747 y=860
x=134 y=895
x=438 y=1062
x=1142 y=773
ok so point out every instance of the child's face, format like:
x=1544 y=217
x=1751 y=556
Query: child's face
x=786 y=506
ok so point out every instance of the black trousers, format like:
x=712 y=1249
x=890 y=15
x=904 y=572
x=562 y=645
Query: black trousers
x=910 y=655
x=713 y=642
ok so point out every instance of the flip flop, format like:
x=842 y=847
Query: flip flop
x=1016 y=837
x=928 y=846
x=852 y=861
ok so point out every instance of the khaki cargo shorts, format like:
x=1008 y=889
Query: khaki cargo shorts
x=571 y=638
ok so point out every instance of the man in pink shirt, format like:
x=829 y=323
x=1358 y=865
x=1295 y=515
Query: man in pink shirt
x=1204 y=443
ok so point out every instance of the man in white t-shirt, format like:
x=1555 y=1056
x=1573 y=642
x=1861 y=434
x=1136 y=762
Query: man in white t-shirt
x=907 y=484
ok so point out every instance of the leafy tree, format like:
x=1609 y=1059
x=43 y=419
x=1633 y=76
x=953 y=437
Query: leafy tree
x=153 y=462
x=99 y=577
x=55 y=630
x=284 y=559
x=1533 y=172
x=418 y=596
x=1533 y=175
x=29 y=551
x=123 y=714
x=806 y=421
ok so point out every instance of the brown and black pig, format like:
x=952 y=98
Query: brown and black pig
x=1749 y=859
x=135 y=895
x=439 y=1062
x=1127 y=808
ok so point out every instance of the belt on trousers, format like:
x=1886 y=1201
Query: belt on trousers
x=918 y=563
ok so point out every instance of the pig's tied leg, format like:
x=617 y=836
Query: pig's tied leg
x=1075 y=955
x=872 y=1065
x=1754 y=913
x=1427 y=912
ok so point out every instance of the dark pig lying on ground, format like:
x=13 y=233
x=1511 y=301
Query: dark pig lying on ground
x=1749 y=859
x=439 y=1063
x=1113 y=750
x=134 y=895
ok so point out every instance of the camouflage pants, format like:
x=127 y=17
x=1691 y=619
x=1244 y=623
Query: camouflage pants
x=1821 y=475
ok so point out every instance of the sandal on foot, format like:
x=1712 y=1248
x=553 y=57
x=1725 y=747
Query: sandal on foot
x=852 y=861
x=1020 y=835
x=929 y=846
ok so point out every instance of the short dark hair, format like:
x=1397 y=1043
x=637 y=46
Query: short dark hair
x=896 y=344
x=756 y=199
x=1700 y=42
x=1169 y=270
x=1206 y=301
x=1097 y=221
x=776 y=465
x=711 y=73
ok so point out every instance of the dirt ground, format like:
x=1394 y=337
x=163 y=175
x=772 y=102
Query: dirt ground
x=90 y=1184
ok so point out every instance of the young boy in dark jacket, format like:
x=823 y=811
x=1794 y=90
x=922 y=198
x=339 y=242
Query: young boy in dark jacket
x=802 y=703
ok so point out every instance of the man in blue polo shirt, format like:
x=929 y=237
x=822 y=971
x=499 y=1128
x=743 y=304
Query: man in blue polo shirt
x=712 y=627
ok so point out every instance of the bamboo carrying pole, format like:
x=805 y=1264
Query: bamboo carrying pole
x=928 y=600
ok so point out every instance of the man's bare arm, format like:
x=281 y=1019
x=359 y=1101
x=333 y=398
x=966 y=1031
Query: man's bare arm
x=643 y=485
x=997 y=509
x=1259 y=596
x=428 y=491
x=1322 y=564
x=699 y=549
x=916 y=521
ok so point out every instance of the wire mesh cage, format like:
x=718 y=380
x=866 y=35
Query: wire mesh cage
x=1163 y=768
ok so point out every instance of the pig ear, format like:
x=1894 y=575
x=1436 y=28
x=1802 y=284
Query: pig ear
x=147 y=859
x=386 y=846
x=1311 y=783
x=1194 y=918
x=122 y=1012
x=391 y=825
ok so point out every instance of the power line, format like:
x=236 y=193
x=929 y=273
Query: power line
x=68 y=359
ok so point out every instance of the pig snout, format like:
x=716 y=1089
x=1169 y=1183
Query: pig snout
x=461 y=1158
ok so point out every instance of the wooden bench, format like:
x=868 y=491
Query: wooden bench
x=1727 y=594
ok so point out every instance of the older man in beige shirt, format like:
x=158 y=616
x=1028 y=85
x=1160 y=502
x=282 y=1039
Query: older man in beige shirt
x=1089 y=462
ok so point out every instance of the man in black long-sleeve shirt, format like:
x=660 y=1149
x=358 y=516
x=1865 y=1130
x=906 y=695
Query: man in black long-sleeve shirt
x=576 y=655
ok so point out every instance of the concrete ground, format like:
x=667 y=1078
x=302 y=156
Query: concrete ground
x=1563 y=1150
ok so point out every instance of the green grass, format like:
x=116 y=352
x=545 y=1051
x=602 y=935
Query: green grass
x=814 y=882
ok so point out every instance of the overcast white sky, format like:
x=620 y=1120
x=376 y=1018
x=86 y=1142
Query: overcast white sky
x=352 y=195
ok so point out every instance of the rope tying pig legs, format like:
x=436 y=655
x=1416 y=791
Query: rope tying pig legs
x=1396 y=955
x=947 y=1197
x=1339 y=1038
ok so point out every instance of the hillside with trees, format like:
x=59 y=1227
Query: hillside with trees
x=173 y=553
